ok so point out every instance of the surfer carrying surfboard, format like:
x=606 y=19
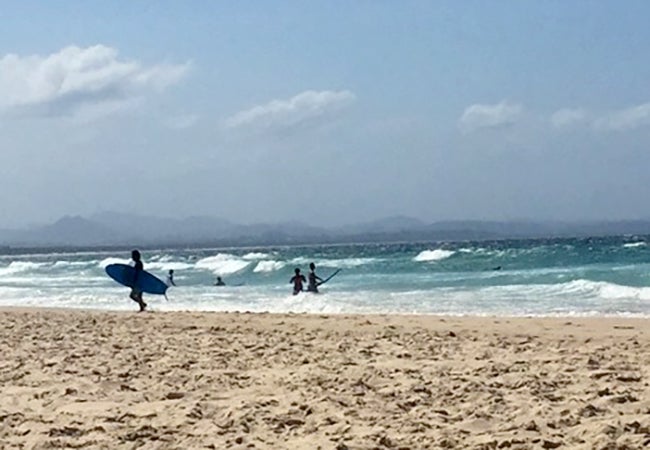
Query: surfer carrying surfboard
x=136 y=294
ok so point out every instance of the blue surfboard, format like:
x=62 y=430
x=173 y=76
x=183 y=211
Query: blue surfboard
x=147 y=283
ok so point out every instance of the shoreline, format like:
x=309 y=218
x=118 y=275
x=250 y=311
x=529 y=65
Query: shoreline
x=121 y=379
x=577 y=317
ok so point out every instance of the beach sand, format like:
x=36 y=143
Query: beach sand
x=90 y=379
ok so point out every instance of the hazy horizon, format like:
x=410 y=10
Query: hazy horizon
x=328 y=113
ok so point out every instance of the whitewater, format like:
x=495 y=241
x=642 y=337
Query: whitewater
x=608 y=276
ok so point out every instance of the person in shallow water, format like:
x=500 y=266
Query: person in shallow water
x=136 y=294
x=314 y=280
x=298 y=279
x=219 y=282
x=170 y=278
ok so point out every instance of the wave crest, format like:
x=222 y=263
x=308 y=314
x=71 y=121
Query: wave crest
x=19 y=266
x=433 y=255
x=255 y=255
x=634 y=244
x=222 y=264
x=269 y=266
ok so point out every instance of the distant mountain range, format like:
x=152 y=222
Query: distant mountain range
x=118 y=229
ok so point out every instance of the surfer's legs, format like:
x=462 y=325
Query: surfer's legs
x=137 y=297
x=141 y=302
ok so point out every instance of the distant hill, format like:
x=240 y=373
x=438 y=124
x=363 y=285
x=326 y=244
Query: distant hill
x=150 y=229
x=394 y=224
x=116 y=229
x=119 y=229
x=69 y=230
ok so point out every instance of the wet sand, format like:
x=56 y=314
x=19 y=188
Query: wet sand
x=89 y=379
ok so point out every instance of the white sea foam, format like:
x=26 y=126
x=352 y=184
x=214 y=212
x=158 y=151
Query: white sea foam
x=168 y=265
x=617 y=292
x=563 y=294
x=433 y=255
x=344 y=263
x=162 y=258
x=477 y=250
x=255 y=255
x=634 y=244
x=222 y=264
x=20 y=266
x=63 y=264
x=269 y=266
x=600 y=289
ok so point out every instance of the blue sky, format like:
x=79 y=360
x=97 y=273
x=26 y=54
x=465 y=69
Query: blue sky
x=325 y=112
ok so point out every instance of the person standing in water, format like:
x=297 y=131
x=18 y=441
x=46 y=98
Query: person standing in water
x=136 y=294
x=219 y=282
x=298 y=279
x=170 y=278
x=314 y=279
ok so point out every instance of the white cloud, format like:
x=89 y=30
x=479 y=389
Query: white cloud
x=74 y=78
x=285 y=113
x=489 y=116
x=567 y=117
x=625 y=119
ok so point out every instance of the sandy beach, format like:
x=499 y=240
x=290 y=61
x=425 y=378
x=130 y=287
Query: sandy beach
x=90 y=379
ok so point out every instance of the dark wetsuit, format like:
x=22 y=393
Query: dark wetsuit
x=313 y=281
x=139 y=267
x=136 y=294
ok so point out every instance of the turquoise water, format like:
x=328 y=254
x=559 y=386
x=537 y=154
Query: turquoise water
x=591 y=276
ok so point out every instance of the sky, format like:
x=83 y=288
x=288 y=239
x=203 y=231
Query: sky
x=325 y=112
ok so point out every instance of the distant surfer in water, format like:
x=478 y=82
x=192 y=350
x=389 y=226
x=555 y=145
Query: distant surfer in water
x=219 y=282
x=298 y=279
x=136 y=294
x=170 y=278
x=314 y=280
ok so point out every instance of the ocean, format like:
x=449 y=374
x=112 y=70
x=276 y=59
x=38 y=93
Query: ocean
x=608 y=276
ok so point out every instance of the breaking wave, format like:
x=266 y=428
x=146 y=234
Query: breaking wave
x=269 y=266
x=433 y=255
x=222 y=264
